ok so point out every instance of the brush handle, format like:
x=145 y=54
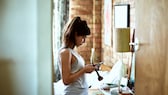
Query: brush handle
x=99 y=77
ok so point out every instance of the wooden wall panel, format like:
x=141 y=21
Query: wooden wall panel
x=151 y=59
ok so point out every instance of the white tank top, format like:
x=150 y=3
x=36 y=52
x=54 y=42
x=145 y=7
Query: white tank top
x=79 y=87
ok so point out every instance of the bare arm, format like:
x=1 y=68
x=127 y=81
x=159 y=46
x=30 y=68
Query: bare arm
x=68 y=77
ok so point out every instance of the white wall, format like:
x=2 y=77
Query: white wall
x=44 y=48
x=25 y=47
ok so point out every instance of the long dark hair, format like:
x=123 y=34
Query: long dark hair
x=78 y=26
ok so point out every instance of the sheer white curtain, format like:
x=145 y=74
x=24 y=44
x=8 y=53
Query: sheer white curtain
x=60 y=17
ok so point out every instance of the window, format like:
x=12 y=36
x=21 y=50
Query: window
x=60 y=17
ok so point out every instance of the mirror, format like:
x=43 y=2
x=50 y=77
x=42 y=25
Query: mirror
x=110 y=65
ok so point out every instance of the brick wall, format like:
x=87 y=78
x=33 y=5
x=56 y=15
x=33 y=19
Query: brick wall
x=84 y=9
x=92 y=12
x=109 y=56
x=97 y=29
x=89 y=10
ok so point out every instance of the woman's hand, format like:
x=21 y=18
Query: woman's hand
x=89 y=68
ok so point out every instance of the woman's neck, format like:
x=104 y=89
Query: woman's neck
x=70 y=46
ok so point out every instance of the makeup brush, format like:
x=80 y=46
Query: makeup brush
x=91 y=59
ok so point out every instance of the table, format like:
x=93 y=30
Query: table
x=112 y=91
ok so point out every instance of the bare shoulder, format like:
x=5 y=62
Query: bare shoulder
x=65 y=52
x=65 y=55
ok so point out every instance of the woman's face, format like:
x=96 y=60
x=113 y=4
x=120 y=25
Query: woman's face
x=80 y=40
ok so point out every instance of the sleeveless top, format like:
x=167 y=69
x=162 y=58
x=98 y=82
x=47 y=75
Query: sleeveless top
x=78 y=87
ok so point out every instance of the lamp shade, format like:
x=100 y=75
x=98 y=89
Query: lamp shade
x=122 y=39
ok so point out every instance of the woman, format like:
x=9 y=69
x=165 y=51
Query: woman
x=71 y=64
